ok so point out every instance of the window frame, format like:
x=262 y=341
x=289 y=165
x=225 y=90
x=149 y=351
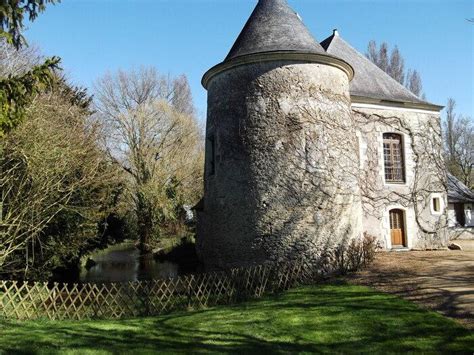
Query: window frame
x=400 y=218
x=441 y=204
x=393 y=163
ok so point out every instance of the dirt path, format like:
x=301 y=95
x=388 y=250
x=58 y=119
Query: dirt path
x=439 y=280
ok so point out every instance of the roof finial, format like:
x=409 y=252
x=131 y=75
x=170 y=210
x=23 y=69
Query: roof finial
x=335 y=32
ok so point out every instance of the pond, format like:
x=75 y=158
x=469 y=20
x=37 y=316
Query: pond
x=123 y=262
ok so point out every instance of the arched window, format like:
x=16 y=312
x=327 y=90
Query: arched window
x=393 y=158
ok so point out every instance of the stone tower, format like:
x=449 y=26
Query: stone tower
x=282 y=156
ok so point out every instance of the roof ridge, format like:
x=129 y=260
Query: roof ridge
x=362 y=84
x=382 y=72
x=462 y=188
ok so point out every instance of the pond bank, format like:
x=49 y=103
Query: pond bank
x=123 y=262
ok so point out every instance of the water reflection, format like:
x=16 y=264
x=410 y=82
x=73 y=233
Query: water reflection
x=122 y=262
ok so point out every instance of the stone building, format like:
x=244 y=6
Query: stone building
x=460 y=204
x=460 y=210
x=309 y=145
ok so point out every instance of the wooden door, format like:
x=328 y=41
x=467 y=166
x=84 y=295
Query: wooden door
x=397 y=228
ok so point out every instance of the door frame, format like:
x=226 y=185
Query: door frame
x=404 y=231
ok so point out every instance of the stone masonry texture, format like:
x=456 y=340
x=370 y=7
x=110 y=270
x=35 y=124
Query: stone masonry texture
x=285 y=185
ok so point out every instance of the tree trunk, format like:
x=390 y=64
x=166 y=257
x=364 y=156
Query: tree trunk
x=145 y=224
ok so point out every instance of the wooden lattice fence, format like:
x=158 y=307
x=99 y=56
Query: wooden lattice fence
x=33 y=300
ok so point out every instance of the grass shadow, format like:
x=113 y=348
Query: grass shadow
x=318 y=319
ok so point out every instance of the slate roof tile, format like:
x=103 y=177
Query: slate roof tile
x=369 y=80
x=274 y=26
x=458 y=192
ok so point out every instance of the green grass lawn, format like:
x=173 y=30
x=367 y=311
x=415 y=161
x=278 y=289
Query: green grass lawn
x=326 y=319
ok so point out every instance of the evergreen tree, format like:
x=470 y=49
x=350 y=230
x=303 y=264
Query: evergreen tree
x=16 y=92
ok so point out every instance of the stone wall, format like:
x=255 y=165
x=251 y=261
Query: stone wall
x=425 y=175
x=285 y=184
x=468 y=215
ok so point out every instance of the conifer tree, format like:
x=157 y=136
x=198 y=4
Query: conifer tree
x=16 y=92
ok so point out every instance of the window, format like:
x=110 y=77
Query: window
x=393 y=158
x=437 y=204
x=211 y=155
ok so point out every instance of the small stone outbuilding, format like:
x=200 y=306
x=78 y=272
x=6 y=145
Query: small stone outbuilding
x=460 y=210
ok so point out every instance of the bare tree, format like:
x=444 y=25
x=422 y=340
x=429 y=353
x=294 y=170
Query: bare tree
x=413 y=83
x=379 y=56
x=17 y=62
x=459 y=144
x=383 y=58
x=51 y=166
x=182 y=99
x=397 y=66
x=372 y=52
x=448 y=129
x=465 y=149
x=154 y=137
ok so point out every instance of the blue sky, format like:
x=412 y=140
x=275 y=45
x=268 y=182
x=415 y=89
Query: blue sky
x=189 y=36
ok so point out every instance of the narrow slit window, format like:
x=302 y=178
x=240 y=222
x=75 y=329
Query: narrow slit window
x=393 y=158
x=212 y=155
x=436 y=204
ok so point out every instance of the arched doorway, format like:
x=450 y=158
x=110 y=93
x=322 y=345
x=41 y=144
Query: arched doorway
x=397 y=228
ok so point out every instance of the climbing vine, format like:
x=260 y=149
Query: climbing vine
x=425 y=167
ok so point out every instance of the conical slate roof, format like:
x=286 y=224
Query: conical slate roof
x=457 y=191
x=274 y=26
x=369 y=80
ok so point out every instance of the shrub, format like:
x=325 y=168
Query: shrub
x=356 y=254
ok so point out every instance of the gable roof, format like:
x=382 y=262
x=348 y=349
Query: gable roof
x=274 y=26
x=369 y=80
x=458 y=192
